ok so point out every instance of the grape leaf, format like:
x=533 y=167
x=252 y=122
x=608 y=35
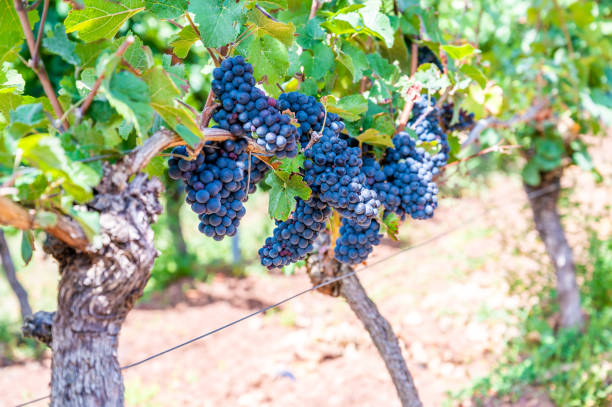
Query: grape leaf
x=219 y=21
x=531 y=174
x=391 y=224
x=284 y=188
x=59 y=44
x=475 y=74
x=269 y=57
x=264 y=25
x=27 y=246
x=319 y=63
x=129 y=95
x=166 y=8
x=358 y=59
x=45 y=152
x=183 y=41
x=163 y=101
x=100 y=18
x=310 y=34
x=28 y=114
x=375 y=138
x=136 y=54
x=349 y=107
x=459 y=52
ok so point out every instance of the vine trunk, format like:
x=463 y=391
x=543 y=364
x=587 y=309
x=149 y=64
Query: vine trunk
x=543 y=200
x=97 y=289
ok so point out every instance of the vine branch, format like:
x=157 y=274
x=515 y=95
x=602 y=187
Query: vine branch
x=39 y=68
x=41 y=31
x=493 y=122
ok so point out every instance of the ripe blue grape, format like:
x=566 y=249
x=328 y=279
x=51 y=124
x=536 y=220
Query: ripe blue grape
x=245 y=110
x=356 y=242
x=292 y=239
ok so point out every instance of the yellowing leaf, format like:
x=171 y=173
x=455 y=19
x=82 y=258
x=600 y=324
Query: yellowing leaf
x=101 y=18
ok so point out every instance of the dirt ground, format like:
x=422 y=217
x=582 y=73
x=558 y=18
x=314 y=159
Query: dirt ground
x=448 y=301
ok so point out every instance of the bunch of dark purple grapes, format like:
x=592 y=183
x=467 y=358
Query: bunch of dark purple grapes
x=428 y=130
x=246 y=110
x=309 y=113
x=356 y=242
x=465 y=120
x=215 y=183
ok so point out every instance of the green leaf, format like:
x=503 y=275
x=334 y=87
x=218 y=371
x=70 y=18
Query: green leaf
x=284 y=188
x=156 y=167
x=59 y=44
x=219 y=21
x=531 y=174
x=129 y=95
x=319 y=63
x=88 y=52
x=166 y=8
x=475 y=74
x=269 y=58
x=11 y=80
x=391 y=223
x=349 y=107
x=381 y=66
x=292 y=165
x=136 y=55
x=264 y=25
x=101 y=18
x=377 y=22
x=183 y=41
x=27 y=246
x=358 y=59
x=375 y=138
x=458 y=52
x=187 y=135
x=163 y=100
x=431 y=78
x=28 y=114
x=310 y=34
x=46 y=153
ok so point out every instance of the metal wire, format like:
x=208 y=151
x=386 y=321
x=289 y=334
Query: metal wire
x=531 y=195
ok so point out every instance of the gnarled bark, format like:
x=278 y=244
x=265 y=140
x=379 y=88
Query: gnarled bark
x=9 y=271
x=543 y=200
x=97 y=289
x=321 y=267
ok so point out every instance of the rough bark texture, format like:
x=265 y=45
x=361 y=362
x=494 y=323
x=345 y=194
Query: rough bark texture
x=9 y=270
x=543 y=200
x=98 y=288
x=39 y=326
x=321 y=267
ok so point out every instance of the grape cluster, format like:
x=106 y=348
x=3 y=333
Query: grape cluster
x=246 y=110
x=428 y=130
x=333 y=171
x=215 y=183
x=409 y=187
x=309 y=113
x=356 y=242
x=464 y=121
x=292 y=239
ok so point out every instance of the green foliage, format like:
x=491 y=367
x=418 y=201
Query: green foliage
x=352 y=55
x=570 y=365
x=284 y=188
